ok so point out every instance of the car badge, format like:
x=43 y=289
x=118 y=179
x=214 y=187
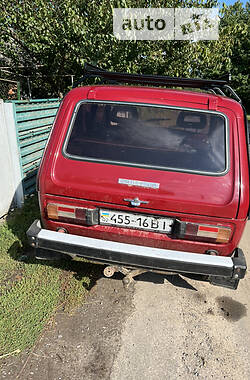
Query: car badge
x=133 y=182
x=135 y=202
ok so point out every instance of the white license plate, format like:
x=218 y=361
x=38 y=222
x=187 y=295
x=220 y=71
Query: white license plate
x=138 y=221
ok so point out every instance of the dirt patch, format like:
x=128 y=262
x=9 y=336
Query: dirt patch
x=180 y=332
x=232 y=310
x=83 y=344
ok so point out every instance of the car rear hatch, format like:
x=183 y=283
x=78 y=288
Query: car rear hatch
x=173 y=159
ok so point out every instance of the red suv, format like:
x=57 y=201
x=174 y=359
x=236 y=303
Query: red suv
x=147 y=179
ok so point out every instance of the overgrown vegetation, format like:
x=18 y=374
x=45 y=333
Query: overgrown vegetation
x=31 y=291
x=47 y=40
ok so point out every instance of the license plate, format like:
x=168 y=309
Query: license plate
x=137 y=221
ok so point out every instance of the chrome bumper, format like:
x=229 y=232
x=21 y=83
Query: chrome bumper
x=230 y=268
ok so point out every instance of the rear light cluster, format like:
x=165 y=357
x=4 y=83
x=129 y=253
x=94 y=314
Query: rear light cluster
x=181 y=230
x=72 y=214
x=202 y=232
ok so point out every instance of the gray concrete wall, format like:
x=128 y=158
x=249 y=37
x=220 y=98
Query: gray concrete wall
x=10 y=175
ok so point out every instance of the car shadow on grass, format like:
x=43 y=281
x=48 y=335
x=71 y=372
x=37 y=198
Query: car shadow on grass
x=82 y=270
x=17 y=224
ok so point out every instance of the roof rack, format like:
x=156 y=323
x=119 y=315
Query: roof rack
x=215 y=86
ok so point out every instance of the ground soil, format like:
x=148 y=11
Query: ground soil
x=168 y=327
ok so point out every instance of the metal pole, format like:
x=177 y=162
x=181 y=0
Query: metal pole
x=29 y=89
x=18 y=91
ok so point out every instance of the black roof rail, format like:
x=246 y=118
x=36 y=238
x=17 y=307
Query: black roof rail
x=91 y=71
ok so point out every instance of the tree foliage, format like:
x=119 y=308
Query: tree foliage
x=51 y=39
x=236 y=19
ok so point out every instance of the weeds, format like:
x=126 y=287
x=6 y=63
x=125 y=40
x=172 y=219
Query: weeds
x=30 y=292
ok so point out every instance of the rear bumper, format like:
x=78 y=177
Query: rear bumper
x=220 y=268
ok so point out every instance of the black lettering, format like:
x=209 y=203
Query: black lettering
x=148 y=20
x=137 y=27
x=165 y=226
x=127 y=220
x=113 y=217
x=154 y=223
x=160 y=24
x=120 y=219
x=126 y=24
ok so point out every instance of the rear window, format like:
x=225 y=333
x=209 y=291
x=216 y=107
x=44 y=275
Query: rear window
x=151 y=136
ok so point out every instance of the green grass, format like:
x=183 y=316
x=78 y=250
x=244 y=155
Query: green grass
x=248 y=117
x=31 y=292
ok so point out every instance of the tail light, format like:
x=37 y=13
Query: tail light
x=72 y=214
x=202 y=232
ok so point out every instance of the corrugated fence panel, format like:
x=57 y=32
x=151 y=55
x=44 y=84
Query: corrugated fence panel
x=34 y=120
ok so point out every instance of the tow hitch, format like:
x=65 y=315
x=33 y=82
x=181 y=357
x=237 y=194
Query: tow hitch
x=129 y=274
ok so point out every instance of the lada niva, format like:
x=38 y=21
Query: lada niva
x=143 y=177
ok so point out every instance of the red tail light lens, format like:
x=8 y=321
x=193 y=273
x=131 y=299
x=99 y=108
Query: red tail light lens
x=202 y=232
x=72 y=214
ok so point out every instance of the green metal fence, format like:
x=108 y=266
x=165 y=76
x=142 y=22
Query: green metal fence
x=33 y=120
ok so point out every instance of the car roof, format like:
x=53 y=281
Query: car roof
x=150 y=95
